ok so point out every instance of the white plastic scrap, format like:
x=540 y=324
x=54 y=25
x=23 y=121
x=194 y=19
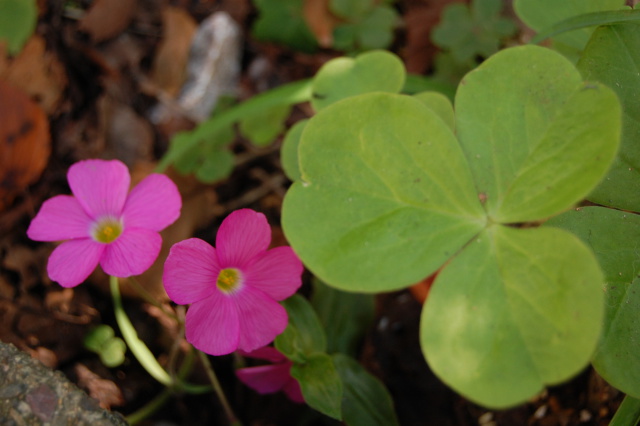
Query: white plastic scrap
x=213 y=69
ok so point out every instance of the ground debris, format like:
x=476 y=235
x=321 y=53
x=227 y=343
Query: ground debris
x=31 y=394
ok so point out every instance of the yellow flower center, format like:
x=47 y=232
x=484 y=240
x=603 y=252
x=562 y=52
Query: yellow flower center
x=107 y=230
x=229 y=279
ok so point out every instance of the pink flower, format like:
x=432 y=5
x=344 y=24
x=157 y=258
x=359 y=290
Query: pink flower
x=233 y=289
x=103 y=224
x=271 y=378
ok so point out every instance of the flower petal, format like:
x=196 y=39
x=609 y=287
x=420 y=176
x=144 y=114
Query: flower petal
x=261 y=318
x=153 y=204
x=100 y=186
x=132 y=253
x=212 y=325
x=190 y=271
x=268 y=353
x=293 y=391
x=73 y=261
x=278 y=273
x=265 y=378
x=242 y=235
x=60 y=218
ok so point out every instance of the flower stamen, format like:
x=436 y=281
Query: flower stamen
x=229 y=280
x=107 y=230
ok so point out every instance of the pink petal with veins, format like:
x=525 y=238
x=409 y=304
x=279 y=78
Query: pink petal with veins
x=261 y=318
x=73 y=261
x=242 y=235
x=153 y=204
x=100 y=186
x=190 y=271
x=131 y=253
x=60 y=218
x=278 y=273
x=212 y=325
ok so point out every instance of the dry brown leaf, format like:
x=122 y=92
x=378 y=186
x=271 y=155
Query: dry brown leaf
x=107 y=18
x=320 y=20
x=24 y=142
x=105 y=391
x=36 y=71
x=170 y=62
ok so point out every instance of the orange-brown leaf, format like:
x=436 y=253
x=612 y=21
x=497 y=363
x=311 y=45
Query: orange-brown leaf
x=24 y=142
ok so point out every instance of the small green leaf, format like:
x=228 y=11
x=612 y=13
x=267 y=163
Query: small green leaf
x=320 y=383
x=102 y=341
x=587 y=20
x=440 y=104
x=539 y=148
x=282 y=21
x=613 y=235
x=262 y=128
x=363 y=221
x=471 y=31
x=374 y=31
x=97 y=337
x=18 y=20
x=112 y=353
x=542 y=14
x=304 y=334
x=345 y=316
x=215 y=166
x=341 y=78
x=613 y=58
x=289 y=150
x=516 y=310
x=366 y=401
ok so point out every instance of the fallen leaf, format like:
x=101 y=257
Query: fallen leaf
x=107 y=18
x=105 y=391
x=24 y=142
x=36 y=71
x=170 y=63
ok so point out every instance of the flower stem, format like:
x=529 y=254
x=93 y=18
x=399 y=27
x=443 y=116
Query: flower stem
x=150 y=408
x=137 y=346
x=233 y=420
x=628 y=413
x=141 y=351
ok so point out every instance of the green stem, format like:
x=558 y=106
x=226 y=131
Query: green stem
x=150 y=408
x=233 y=420
x=288 y=94
x=137 y=346
x=628 y=413
x=142 y=353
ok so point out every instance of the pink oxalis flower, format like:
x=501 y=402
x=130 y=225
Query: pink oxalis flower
x=273 y=377
x=235 y=287
x=105 y=223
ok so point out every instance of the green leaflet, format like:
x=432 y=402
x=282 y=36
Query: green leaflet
x=534 y=149
x=377 y=207
x=518 y=309
x=542 y=14
x=612 y=57
x=613 y=235
x=341 y=78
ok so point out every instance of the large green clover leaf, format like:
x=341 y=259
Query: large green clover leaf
x=612 y=57
x=388 y=194
x=534 y=135
x=378 y=208
x=613 y=235
x=517 y=309
x=542 y=14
